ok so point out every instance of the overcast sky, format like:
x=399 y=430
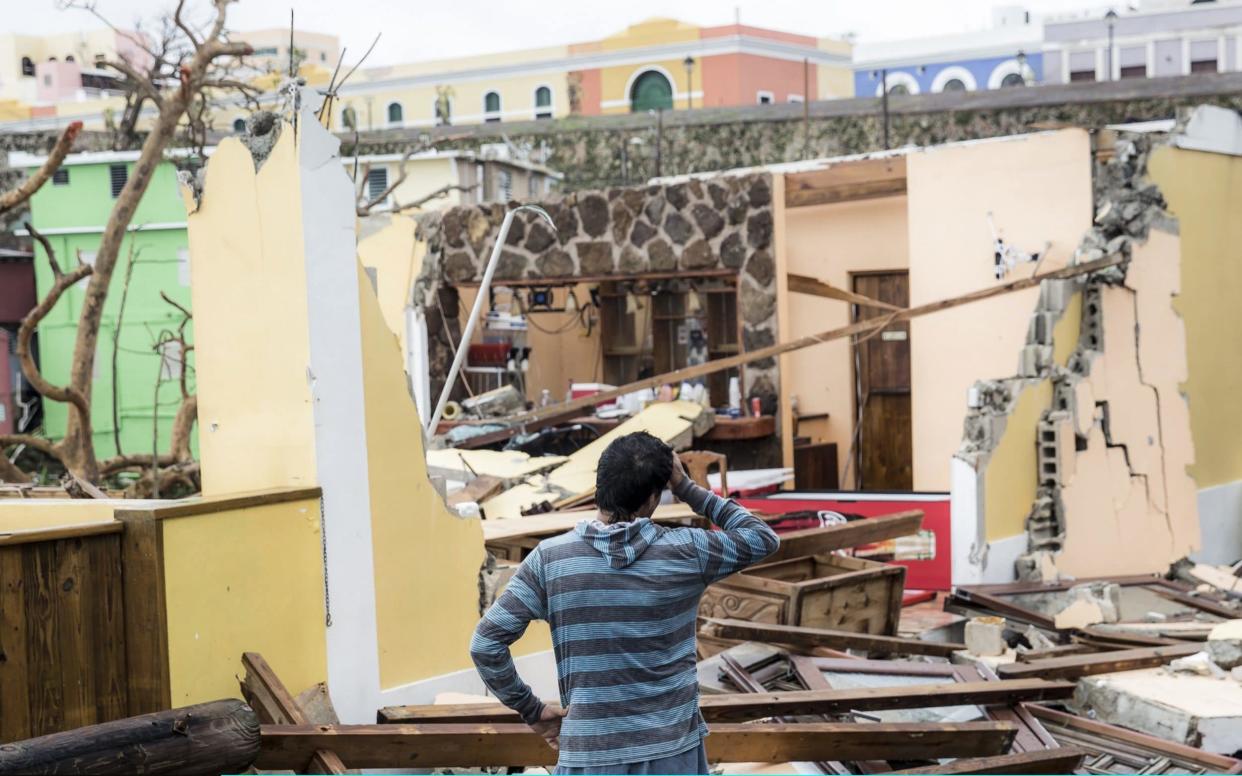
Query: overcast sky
x=423 y=29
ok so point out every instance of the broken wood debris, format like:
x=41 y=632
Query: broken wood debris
x=824 y=637
x=499 y=745
x=208 y=739
x=744 y=707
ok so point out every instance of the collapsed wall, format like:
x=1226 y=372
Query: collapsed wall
x=1097 y=396
x=687 y=227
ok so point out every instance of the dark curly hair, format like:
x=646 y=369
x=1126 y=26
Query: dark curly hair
x=630 y=470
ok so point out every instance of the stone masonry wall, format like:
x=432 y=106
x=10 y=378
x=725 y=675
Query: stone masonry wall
x=689 y=227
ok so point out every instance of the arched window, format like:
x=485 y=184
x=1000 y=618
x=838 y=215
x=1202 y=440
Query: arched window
x=651 y=91
x=491 y=106
x=954 y=85
x=1013 y=79
x=69 y=58
x=27 y=66
x=239 y=125
x=52 y=59
x=899 y=82
x=543 y=103
x=396 y=114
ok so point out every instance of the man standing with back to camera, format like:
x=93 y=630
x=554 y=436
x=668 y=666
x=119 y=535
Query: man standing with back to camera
x=621 y=595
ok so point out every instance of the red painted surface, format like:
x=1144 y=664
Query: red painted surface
x=17 y=290
x=757 y=32
x=737 y=79
x=932 y=574
x=8 y=407
x=592 y=91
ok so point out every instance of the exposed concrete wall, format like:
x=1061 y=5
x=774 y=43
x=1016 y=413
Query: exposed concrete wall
x=1036 y=190
x=1112 y=444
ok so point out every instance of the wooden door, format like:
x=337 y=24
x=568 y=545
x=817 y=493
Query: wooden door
x=884 y=451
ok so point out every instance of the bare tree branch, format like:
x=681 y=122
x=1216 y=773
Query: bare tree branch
x=11 y=199
x=139 y=81
x=443 y=191
x=26 y=331
x=185 y=28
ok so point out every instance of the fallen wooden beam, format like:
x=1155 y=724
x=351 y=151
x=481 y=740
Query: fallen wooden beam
x=802 y=284
x=208 y=739
x=1065 y=759
x=861 y=327
x=745 y=630
x=475 y=746
x=868 y=530
x=742 y=707
x=274 y=704
x=1075 y=666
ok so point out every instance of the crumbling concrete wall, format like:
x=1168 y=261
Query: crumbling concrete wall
x=1112 y=446
x=725 y=222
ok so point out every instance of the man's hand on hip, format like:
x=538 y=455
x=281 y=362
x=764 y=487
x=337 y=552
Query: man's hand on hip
x=549 y=725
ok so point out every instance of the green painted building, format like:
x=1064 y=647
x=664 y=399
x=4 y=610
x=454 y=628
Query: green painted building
x=71 y=210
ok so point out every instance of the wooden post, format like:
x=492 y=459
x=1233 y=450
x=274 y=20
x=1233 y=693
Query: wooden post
x=146 y=612
x=207 y=739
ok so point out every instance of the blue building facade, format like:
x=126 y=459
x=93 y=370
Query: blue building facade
x=930 y=75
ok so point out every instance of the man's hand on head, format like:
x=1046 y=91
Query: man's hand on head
x=549 y=725
x=679 y=472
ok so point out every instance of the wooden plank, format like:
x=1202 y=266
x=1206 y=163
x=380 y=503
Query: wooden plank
x=14 y=701
x=803 y=284
x=512 y=528
x=275 y=705
x=107 y=622
x=472 y=746
x=146 y=613
x=751 y=705
x=823 y=637
x=859 y=327
x=203 y=740
x=1064 y=759
x=74 y=663
x=817 y=541
x=1060 y=650
x=43 y=682
x=1075 y=666
x=59 y=532
x=733 y=429
x=847 y=180
x=1215 y=763
x=200 y=505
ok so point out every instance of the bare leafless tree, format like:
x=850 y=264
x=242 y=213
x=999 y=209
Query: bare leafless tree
x=368 y=205
x=190 y=58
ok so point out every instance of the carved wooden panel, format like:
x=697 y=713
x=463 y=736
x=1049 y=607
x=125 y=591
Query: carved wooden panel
x=722 y=601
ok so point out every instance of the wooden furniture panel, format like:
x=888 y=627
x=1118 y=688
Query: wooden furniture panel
x=815 y=467
x=826 y=591
x=63 y=659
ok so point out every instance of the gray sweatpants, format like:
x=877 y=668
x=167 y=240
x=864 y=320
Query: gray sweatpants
x=691 y=761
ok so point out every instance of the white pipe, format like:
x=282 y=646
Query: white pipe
x=478 y=305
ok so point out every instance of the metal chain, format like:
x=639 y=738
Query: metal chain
x=323 y=537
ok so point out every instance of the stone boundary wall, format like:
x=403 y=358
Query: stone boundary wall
x=598 y=152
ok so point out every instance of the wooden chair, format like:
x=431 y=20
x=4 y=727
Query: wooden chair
x=699 y=461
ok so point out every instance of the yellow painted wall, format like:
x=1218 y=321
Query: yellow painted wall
x=426 y=560
x=1038 y=190
x=396 y=258
x=256 y=426
x=1204 y=191
x=20 y=514
x=239 y=581
x=1010 y=476
x=830 y=242
x=517 y=100
x=615 y=83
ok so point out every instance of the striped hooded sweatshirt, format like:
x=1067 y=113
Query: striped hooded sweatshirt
x=622 y=601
